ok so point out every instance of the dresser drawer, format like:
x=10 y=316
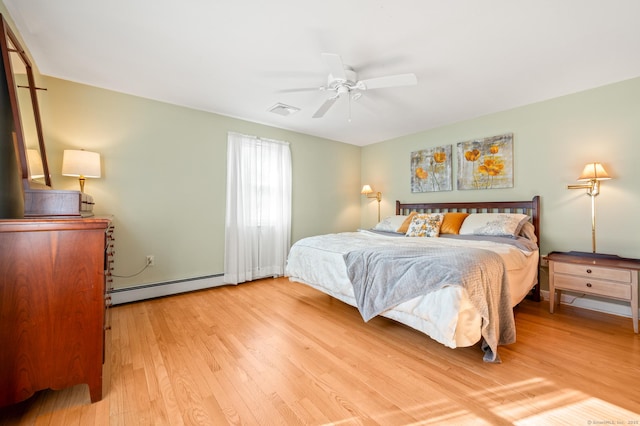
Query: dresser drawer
x=589 y=271
x=593 y=286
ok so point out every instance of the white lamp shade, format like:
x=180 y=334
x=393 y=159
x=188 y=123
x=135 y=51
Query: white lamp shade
x=366 y=190
x=80 y=163
x=594 y=171
x=36 y=170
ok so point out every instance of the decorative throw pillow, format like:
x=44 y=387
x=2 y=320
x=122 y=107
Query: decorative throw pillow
x=496 y=224
x=405 y=225
x=391 y=223
x=425 y=225
x=452 y=222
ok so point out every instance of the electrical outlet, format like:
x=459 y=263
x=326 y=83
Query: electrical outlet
x=544 y=262
x=150 y=260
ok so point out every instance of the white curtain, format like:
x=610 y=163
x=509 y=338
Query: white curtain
x=258 y=214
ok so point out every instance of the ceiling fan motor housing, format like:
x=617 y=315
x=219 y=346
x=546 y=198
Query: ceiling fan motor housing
x=334 y=83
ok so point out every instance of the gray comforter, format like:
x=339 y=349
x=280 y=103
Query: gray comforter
x=385 y=277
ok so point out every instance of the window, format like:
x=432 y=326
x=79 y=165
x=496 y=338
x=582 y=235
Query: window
x=258 y=211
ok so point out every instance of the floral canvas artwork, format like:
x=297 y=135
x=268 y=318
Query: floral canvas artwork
x=431 y=169
x=486 y=163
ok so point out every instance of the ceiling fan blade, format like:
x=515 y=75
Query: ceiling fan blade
x=325 y=107
x=336 y=67
x=300 y=89
x=388 y=81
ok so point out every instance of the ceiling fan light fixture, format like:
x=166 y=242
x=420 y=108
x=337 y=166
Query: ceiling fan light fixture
x=283 y=109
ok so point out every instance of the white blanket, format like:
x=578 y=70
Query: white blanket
x=446 y=315
x=385 y=277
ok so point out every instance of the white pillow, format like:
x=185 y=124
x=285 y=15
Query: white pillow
x=391 y=223
x=496 y=224
x=528 y=231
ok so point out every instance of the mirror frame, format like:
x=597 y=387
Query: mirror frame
x=7 y=36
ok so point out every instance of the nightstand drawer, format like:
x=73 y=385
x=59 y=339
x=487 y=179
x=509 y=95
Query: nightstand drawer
x=595 y=272
x=593 y=286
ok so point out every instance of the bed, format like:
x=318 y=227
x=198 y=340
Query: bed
x=459 y=288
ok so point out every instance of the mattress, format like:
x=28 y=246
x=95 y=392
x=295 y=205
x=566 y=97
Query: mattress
x=446 y=315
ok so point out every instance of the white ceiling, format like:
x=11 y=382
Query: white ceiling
x=238 y=57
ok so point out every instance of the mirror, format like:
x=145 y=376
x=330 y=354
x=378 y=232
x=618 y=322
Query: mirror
x=25 y=181
x=32 y=157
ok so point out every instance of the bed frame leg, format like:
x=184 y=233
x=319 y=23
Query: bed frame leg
x=534 y=294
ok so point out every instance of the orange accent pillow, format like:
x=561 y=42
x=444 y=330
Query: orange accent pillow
x=405 y=225
x=452 y=223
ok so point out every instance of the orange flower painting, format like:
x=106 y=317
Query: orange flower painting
x=431 y=169
x=486 y=163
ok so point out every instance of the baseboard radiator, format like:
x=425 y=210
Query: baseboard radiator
x=150 y=291
x=607 y=306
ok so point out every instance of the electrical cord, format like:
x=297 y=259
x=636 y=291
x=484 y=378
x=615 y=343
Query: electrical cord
x=133 y=275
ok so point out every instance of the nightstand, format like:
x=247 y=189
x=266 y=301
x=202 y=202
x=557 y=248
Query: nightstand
x=601 y=275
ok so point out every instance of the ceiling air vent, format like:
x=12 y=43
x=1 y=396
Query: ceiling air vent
x=284 y=110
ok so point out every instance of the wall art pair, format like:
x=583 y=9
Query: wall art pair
x=481 y=164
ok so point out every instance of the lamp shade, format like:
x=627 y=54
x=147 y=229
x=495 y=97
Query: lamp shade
x=366 y=190
x=594 y=171
x=80 y=163
x=36 y=170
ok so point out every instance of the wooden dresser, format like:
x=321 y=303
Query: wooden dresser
x=54 y=275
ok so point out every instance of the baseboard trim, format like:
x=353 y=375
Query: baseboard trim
x=622 y=309
x=150 y=291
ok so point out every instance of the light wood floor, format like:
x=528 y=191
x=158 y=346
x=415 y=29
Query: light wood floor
x=275 y=352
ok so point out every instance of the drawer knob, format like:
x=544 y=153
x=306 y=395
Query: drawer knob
x=588 y=284
x=588 y=271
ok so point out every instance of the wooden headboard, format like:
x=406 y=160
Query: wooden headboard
x=531 y=208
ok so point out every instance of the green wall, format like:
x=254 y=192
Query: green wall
x=553 y=140
x=164 y=172
x=164 y=177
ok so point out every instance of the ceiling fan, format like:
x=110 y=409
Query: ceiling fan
x=343 y=80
